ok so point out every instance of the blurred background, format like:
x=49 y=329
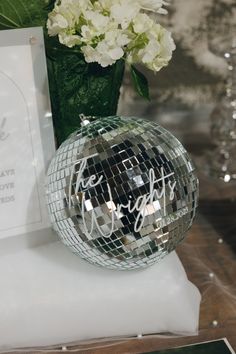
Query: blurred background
x=195 y=96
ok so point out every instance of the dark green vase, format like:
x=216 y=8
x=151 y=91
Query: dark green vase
x=80 y=88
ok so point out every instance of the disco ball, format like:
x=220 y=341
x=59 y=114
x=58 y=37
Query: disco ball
x=121 y=192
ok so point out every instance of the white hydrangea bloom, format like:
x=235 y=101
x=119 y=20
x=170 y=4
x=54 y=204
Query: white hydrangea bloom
x=149 y=53
x=91 y=55
x=156 y=51
x=102 y=5
x=109 y=50
x=87 y=34
x=56 y=23
x=154 y=6
x=108 y=30
x=64 y=17
x=102 y=54
x=97 y=20
x=142 y=23
x=117 y=38
x=124 y=11
x=69 y=40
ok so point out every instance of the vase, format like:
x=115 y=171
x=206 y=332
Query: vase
x=77 y=87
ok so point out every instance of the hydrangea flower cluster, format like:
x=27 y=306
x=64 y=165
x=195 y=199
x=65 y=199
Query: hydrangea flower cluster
x=108 y=30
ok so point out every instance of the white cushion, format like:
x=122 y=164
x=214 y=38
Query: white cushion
x=50 y=296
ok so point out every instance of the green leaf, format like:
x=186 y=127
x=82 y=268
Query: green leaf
x=23 y=13
x=140 y=83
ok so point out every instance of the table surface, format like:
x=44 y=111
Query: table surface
x=208 y=255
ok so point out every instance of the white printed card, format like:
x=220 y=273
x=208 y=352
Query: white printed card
x=26 y=132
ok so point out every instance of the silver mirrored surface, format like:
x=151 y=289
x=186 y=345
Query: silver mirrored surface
x=122 y=192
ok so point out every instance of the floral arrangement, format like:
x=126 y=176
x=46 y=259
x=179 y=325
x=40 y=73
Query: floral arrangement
x=106 y=31
x=88 y=43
